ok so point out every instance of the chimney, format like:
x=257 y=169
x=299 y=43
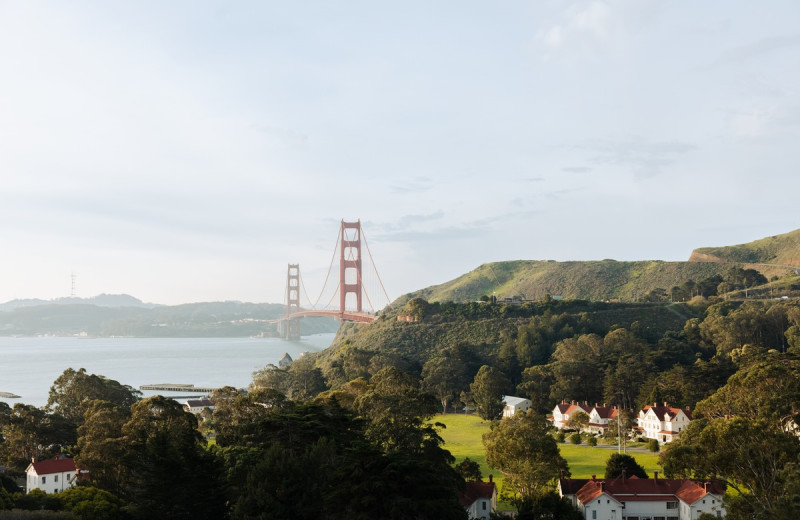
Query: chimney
x=655 y=477
x=665 y=404
x=624 y=474
x=594 y=477
x=490 y=477
x=655 y=404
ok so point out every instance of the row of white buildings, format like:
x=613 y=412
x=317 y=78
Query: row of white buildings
x=660 y=422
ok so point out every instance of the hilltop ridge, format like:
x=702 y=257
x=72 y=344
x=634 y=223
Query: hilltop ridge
x=775 y=250
x=773 y=257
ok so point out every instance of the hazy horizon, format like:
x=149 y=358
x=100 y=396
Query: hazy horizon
x=188 y=151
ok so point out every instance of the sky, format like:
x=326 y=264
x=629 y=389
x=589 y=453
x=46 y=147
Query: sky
x=187 y=151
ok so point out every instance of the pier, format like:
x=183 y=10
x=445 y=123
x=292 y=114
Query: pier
x=177 y=387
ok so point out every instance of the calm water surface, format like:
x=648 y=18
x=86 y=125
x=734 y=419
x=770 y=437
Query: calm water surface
x=28 y=366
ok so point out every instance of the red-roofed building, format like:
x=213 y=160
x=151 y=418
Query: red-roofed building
x=638 y=499
x=663 y=423
x=479 y=499
x=564 y=410
x=599 y=418
x=52 y=475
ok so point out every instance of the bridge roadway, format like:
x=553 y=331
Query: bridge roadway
x=361 y=317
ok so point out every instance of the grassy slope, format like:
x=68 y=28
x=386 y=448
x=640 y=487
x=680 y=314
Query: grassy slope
x=594 y=280
x=463 y=438
x=609 y=279
x=779 y=249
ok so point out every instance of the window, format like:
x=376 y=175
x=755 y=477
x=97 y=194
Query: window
x=672 y=518
x=483 y=502
x=672 y=505
x=44 y=479
x=594 y=515
x=55 y=478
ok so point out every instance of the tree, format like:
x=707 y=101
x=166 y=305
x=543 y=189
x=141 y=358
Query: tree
x=619 y=462
x=29 y=432
x=306 y=379
x=443 y=377
x=73 y=390
x=469 y=470
x=169 y=472
x=578 y=420
x=487 y=390
x=522 y=449
x=101 y=445
x=751 y=456
x=548 y=506
x=535 y=385
x=398 y=412
x=90 y=503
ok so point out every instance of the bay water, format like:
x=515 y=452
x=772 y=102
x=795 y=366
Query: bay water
x=29 y=365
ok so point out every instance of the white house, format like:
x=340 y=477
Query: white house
x=564 y=410
x=514 y=405
x=51 y=476
x=599 y=417
x=628 y=498
x=663 y=423
x=479 y=499
x=196 y=406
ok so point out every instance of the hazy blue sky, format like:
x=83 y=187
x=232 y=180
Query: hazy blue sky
x=188 y=150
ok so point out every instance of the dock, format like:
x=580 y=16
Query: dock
x=177 y=387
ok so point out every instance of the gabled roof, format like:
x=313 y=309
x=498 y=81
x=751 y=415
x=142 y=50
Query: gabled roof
x=661 y=411
x=563 y=407
x=475 y=491
x=692 y=491
x=570 y=486
x=196 y=403
x=635 y=489
x=48 y=467
x=606 y=412
x=510 y=400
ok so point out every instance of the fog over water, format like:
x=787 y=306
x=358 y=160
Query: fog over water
x=28 y=366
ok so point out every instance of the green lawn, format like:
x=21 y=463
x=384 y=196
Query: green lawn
x=462 y=438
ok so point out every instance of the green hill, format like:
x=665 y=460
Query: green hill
x=592 y=280
x=601 y=280
x=778 y=250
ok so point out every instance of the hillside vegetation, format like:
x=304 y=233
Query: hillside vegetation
x=601 y=280
x=778 y=250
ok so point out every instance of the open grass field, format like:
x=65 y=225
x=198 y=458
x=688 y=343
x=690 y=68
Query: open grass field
x=463 y=439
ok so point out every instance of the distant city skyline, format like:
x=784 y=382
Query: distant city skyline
x=188 y=151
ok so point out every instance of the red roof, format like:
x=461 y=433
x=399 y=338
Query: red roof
x=631 y=489
x=661 y=411
x=606 y=412
x=475 y=491
x=48 y=467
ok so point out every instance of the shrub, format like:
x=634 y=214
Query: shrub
x=592 y=441
x=575 y=438
x=652 y=445
x=560 y=436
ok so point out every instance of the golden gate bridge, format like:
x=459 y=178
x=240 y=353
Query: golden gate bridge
x=352 y=288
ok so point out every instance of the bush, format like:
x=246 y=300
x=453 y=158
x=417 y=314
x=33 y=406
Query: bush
x=575 y=438
x=652 y=445
x=592 y=441
x=560 y=436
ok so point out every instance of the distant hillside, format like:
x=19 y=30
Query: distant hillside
x=214 y=319
x=610 y=279
x=593 y=280
x=101 y=300
x=778 y=250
